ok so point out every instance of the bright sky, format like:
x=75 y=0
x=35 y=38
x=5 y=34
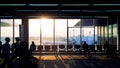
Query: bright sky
x=47 y=26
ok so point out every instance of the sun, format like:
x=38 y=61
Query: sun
x=47 y=27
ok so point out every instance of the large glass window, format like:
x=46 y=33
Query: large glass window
x=114 y=34
x=96 y=35
x=74 y=31
x=106 y=33
x=110 y=34
x=60 y=31
x=34 y=31
x=47 y=31
x=88 y=35
x=7 y=29
x=17 y=23
x=74 y=35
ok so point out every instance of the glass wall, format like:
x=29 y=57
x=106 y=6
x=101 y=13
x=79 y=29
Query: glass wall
x=74 y=35
x=110 y=34
x=17 y=23
x=34 y=31
x=60 y=31
x=107 y=33
x=74 y=31
x=88 y=35
x=9 y=28
x=114 y=34
x=47 y=31
x=6 y=29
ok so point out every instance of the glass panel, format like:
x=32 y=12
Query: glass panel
x=102 y=35
x=110 y=34
x=7 y=29
x=34 y=31
x=73 y=22
x=60 y=31
x=47 y=31
x=98 y=28
x=96 y=35
x=17 y=22
x=74 y=35
x=106 y=33
x=114 y=34
x=88 y=35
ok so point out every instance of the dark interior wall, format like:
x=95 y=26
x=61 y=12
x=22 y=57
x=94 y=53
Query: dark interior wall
x=102 y=22
x=87 y=22
x=112 y=20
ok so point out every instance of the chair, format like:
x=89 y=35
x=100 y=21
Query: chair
x=70 y=48
x=62 y=48
x=77 y=48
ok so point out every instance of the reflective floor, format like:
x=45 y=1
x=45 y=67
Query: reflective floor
x=73 y=61
x=77 y=61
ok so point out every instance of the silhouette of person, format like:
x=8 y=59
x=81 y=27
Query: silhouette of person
x=6 y=53
x=26 y=59
x=32 y=47
x=107 y=48
x=85 y=47
x=16 y=48
x=110 y=50
x=1 y=47
x=25 y=55
x=106 y=45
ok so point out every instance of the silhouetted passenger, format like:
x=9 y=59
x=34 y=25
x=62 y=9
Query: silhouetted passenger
x=6 y=53
x=85 y=47
x=16 y=48
x=24 y=55
x=1 y=48
x=106 y=45
x=26 y=59
x=32 y=47
x=112 y=51
x=109 y=49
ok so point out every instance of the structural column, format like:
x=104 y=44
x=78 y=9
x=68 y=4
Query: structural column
x=24 y=29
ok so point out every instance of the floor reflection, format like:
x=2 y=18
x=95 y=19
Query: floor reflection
x=76 y=61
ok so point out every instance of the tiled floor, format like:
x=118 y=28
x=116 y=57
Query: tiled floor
x=74 y=61
x=77 y=61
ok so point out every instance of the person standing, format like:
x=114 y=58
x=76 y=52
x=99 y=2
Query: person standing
x=16 y=48
x=32 y=47
x=6 y=53
x=85 y=47
x=1 y=48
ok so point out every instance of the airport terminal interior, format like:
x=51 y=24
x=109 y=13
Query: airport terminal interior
x=74 y=34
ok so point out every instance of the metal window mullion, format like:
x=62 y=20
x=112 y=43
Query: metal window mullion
x=40 y=31
x=13 y=29
x=54 y=32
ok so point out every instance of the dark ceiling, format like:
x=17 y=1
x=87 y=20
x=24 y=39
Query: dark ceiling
x=59 y=8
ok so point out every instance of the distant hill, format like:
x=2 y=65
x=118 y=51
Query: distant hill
x=5 y=24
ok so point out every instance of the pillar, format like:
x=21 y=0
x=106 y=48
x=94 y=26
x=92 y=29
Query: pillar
x=24 y=31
